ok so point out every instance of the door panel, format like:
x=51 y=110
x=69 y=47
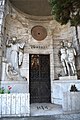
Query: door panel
x=40 y=78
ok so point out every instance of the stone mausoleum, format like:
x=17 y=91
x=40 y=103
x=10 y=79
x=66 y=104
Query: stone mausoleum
x=30 y=42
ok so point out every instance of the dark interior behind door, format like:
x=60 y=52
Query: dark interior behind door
x=40 y=78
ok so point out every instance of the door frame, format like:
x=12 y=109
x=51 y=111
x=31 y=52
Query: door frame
x=39 y=81
x=50 y=52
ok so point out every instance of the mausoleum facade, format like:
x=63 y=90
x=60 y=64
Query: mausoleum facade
x=29 y=56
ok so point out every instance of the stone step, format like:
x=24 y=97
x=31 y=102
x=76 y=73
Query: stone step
x=52 y=117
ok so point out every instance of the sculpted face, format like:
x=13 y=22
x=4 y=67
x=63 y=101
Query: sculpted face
x=62 y=44
x=69 y=44
x=14 y=39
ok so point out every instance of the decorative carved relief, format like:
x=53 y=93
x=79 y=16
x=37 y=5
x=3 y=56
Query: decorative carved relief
x=39 y=33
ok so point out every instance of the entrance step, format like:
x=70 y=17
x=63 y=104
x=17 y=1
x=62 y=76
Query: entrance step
x=40 y=109
x=53 y=117
x=46 y=111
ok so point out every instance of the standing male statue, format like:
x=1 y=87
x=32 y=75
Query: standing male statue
x=63 y=57
x=71 y=53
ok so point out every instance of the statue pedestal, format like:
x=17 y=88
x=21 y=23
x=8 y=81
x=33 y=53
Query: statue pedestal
x=17 y=86
x=61 y=86
x=68 y=78
x=71 y=102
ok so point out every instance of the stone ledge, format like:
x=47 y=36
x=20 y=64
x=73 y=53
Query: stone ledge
x=17 y=86
x=17 y=82
x=66 y=81
x=68 y=78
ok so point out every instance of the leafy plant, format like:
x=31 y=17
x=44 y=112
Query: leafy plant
x=3 y=91
x=9 y=88
x=65 y=11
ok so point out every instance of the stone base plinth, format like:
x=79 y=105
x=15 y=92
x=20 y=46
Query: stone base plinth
x=60 y=86
x=71 y=102
x=17 y=86
x=68 y=78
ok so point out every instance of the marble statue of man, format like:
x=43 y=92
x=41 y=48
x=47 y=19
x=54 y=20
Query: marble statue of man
x=16 y=57
x=63 y=57
x=71 y=53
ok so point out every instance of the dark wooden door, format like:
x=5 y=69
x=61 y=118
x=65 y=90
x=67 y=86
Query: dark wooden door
x=40 y=78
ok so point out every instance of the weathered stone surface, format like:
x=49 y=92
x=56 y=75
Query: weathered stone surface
x=60 y=86
x=71 y=102
x=12 y=105
x=53 y=117
x=17 y=86
x=0 y=54
x=19 y=25
x=68 y=78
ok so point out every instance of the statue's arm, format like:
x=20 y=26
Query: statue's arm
x=22 y=45
x=74 y=52
x=59 y=54
x=8 y=44
x=7 y=71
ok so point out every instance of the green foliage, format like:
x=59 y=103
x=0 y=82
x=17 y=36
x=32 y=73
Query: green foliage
x=3 y=91
x=66 y=10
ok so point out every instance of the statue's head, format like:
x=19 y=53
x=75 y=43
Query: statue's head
x=69 y=44
x=62 y=43
x=14 y=38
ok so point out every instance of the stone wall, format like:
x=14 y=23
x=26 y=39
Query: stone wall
x=17 y=86
x=62 y=86
x=14 y=105
x=71 y=102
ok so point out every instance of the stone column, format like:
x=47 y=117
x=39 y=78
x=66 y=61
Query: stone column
x=2 y=11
